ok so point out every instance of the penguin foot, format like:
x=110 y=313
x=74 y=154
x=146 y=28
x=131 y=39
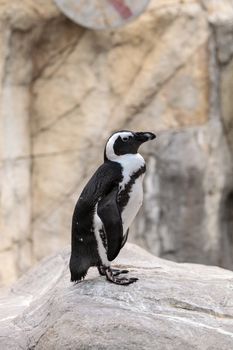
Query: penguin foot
x=111 y=277
x=115 y=272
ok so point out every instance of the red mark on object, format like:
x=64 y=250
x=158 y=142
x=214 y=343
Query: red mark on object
x=121 y=8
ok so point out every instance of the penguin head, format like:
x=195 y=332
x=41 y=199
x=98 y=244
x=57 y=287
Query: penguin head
x=125 y=142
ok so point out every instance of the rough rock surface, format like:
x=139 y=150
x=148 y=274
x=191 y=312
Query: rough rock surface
x=172 y=306
x=64 y=89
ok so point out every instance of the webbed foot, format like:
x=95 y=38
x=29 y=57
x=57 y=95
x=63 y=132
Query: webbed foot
x=115 y=272
x=111 y=277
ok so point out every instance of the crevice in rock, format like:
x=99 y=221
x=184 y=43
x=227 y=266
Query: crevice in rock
x=58 y=119
x=63 y=54
x=179 y=304
x=135 y=110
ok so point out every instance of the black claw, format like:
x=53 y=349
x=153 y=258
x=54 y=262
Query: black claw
x=134 y=279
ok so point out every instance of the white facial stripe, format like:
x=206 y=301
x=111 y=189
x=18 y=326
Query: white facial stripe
x=109 y=147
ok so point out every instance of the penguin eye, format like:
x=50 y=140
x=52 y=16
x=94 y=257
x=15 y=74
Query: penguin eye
x=125 y=138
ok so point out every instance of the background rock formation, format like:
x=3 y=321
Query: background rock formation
x=172 y=306
x=64 y=89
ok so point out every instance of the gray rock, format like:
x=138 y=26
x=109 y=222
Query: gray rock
x=187 y=209
x=172 y=306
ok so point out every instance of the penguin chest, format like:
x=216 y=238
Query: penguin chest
x=130 y=193
x=134 y=202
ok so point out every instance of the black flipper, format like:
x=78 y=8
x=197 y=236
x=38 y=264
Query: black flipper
x=109 y=213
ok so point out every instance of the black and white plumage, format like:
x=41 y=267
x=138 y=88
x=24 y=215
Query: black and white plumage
x=107 y=206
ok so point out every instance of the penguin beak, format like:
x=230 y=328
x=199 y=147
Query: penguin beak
x=144 y=136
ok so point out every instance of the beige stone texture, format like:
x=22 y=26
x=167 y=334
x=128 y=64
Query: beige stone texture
x=104 y=81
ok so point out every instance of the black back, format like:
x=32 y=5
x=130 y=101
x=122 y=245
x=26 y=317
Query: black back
x=106 y=177
x=84 y=252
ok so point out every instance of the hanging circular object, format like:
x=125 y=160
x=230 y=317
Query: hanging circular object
x=102 y=14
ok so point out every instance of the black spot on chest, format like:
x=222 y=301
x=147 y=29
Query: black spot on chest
x=124 y=195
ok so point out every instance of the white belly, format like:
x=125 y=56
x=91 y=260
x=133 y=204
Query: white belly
x=133 y=205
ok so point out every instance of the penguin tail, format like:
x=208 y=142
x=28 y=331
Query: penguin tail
x=78 y=268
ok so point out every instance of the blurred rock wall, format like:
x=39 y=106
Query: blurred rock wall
x=64 y=89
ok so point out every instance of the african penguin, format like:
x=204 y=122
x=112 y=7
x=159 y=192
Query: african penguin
x=107 y=206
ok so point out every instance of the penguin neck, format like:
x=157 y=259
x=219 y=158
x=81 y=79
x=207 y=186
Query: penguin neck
x=130 y=163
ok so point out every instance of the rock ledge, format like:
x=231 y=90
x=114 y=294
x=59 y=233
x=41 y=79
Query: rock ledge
x=172 y=306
